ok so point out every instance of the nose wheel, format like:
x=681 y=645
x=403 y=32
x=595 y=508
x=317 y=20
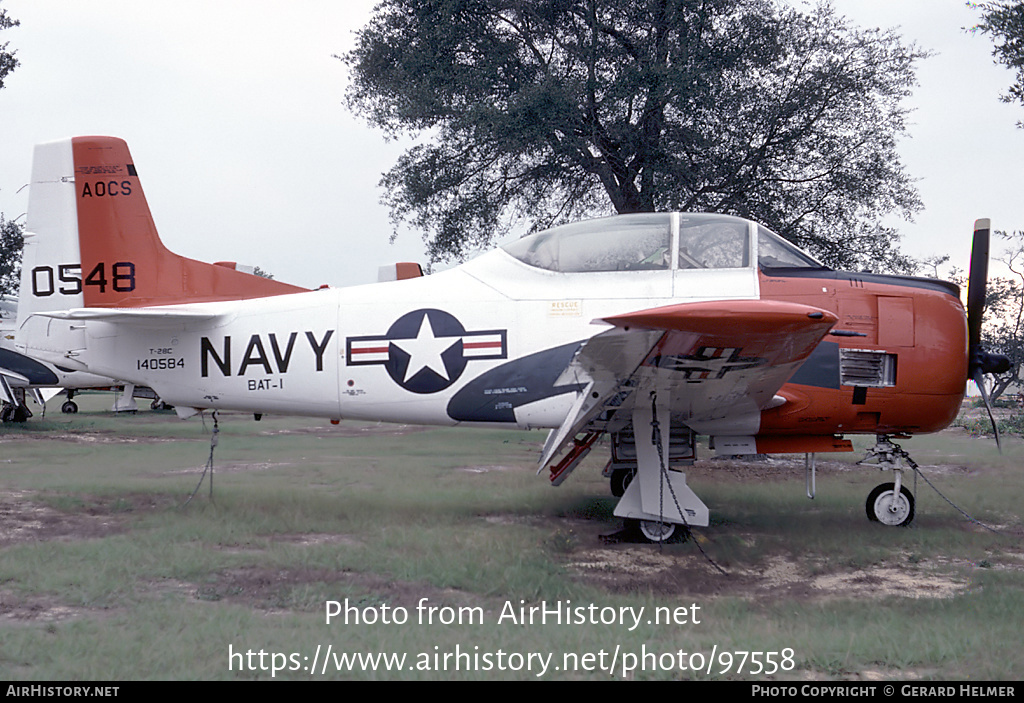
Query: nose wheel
x=889 y=507
x=891 y=504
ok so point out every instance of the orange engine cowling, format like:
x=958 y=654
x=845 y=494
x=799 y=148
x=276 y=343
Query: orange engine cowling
x=896 y=362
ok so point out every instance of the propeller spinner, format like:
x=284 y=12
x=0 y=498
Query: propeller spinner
x=980 y=361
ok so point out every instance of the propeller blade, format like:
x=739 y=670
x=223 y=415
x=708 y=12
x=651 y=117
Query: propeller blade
x=976 y=287
x=979 y=381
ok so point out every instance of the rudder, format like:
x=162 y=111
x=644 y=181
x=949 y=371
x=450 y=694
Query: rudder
x=123 y=261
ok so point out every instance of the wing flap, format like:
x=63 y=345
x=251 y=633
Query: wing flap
x=602 y=367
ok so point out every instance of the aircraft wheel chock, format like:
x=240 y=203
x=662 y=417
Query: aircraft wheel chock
x=657 y=531
x=882 y=505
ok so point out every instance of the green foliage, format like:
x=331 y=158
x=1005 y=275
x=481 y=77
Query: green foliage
x=1003 y=331
x=10 y=232
x=1003 y=20
x=542 y=112
x=981 y=426
x=11 y=241
x=7 y=60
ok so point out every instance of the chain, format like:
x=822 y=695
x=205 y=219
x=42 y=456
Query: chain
x=209 y=462
x=656 y=438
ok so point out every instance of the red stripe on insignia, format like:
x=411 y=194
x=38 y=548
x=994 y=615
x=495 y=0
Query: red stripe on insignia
x=370 y=350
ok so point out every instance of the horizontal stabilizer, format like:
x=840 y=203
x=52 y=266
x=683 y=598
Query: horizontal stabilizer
x=141 y=317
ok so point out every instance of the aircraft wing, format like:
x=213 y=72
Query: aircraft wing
x=715 y=364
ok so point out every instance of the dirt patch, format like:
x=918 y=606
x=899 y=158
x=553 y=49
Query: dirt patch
x=96 y=437
x=230 y=467
x=16 y=609
x=490 y=468
x=630 y=568
x=273 y=590
x=24 y=518
x=786 y=467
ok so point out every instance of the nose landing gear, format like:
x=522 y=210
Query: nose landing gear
x=892 y=503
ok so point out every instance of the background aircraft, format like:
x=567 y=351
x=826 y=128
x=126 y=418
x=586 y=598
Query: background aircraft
x=22 y=377
x=650 y=328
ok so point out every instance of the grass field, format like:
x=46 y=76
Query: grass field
x=439 y=541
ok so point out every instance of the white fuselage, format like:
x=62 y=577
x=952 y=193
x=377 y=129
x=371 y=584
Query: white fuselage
x=482 y=343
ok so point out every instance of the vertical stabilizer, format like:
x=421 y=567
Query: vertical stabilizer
x=51 y=261
x=91 y=241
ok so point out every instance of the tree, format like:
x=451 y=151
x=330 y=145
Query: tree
x=536 y=112
x=1003 y=329
x=10 y=255
x=7 y=61
x=10 y=232
x=1004 y=21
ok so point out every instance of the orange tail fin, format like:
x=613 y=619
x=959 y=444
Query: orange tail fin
x=124 y=263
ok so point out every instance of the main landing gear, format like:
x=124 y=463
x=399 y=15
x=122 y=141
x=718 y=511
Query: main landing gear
x=13 y=407
x=890 y=503
x=652 y=495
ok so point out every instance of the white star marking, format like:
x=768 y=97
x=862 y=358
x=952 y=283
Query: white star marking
x=425 y=351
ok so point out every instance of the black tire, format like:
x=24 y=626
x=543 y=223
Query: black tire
x=620 y=481
x=10 y=413
x=879 y=506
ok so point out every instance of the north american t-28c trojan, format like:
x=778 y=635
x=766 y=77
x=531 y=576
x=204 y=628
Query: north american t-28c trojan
x=650 y=328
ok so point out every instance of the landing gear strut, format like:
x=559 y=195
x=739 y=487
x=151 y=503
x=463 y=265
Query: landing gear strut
x=890 y=504
x=653 y=493
x=14 y=409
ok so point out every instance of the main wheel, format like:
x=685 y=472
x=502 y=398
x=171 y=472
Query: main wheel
x=885 y=507
x=657 y=531
x=69 y=407
x=620 y=481
x=11 y=413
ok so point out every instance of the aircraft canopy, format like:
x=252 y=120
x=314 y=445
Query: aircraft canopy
x=645 y=241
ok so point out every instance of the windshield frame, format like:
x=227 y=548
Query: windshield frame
x=639 y=242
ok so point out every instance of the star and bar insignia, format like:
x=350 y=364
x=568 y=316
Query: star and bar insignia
x=426 y=351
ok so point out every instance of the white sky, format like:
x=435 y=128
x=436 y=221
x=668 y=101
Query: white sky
x=233 y=112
